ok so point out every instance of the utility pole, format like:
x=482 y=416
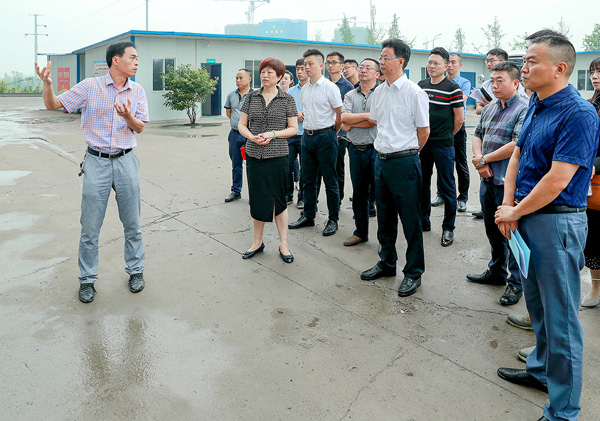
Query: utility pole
x=146 y=15
x=35 y=34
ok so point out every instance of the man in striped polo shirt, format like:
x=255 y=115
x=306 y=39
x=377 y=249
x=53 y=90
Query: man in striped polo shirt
x=446 y=116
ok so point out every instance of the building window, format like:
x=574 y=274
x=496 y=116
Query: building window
x=590 y=87
x=159 y=68
x=581 y=80
x=253 y=66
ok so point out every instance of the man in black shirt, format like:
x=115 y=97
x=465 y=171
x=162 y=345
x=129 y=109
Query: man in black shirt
x=446 y=116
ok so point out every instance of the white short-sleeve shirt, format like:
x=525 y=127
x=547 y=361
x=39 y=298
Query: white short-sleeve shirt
x=399 y=109
x=318 y=102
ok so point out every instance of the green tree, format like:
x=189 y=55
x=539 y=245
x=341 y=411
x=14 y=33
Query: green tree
x=520 y=43
x=346 y=31
x=493 y=34
x=460 y=42
x=187 y=86
x=591 y=42
x=374 y=32
x=564 y=28
x=394 y=32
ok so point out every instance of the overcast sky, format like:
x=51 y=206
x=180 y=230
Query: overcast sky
x=73 y=24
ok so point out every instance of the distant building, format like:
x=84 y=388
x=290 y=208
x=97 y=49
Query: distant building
x=247 y=29
x=283 y=28
x=360 y=34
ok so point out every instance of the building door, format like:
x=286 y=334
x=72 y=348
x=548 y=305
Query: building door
x=470 y=76
x=212 y=106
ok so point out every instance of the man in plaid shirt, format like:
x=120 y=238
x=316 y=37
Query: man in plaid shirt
x=113 y=107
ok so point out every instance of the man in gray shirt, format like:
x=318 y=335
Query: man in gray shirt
x=233 y=105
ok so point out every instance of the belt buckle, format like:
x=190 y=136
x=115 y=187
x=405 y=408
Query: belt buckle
x=382 y=156
x=115 y=155
x=309 y=132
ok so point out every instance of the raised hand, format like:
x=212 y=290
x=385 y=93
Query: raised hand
x=125 y=110
x=44 y=74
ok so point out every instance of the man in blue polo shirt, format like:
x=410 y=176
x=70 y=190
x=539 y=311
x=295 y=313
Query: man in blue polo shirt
x=545 y=196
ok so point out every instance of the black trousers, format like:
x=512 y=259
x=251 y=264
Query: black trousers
x=462 y=165
x=295 y=147
x=362 y=167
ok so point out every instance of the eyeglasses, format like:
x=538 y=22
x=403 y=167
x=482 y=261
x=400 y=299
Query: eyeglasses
x=434 y=63
x=333 y=63
x=386 y=59
x=367 y=68
x=347 y=67
x=491 y=60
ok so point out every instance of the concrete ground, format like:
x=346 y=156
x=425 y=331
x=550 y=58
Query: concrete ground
x=213 y=336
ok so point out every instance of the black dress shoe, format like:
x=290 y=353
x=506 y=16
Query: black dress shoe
x=409 y=286
x=487 y=278
x=287 y=258
x=447 y=238
x=302 y=222
x=331 y=228
x=251 y=253
x=372 y=211
x=511 y=296
x=233 y=196
x=477 y=214
x=289 y=199
x=87 y=292
x=521 y=377
x=136 y=282
x=543 y=419
x=376 y=272
x=426 y=226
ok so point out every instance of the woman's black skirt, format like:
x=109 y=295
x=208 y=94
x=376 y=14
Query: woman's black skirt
x=592 y=245
x=267 y=184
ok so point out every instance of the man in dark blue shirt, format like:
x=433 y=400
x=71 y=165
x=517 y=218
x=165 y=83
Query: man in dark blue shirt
x=545 y=196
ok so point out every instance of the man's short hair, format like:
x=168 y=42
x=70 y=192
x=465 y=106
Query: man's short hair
x=441 y=51
x=336 y=53
x=275 y=64
x=374 y=61
x=562 y=50
x=509 y=67
x=457 y=55
x=352 y=61
x=401 y=49
x=316 y=53
x=300 y=62
x=248 y=72
x=117 y=49
x=498 y=52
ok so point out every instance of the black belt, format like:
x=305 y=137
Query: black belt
x=557 y=209
x=363 y=148
x=319 y=131
x=400 y=154
x=234 y=130
x=108 y=155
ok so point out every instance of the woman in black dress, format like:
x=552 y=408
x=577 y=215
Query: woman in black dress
x=592 y=245
x=268 y=118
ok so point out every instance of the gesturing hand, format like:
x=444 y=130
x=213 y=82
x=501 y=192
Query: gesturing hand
x=44 y=74
x=124 y=111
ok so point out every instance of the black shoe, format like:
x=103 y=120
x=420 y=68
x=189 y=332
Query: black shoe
x=331 y=228
x=447 y=238
x=521 y=377
x=300 y=204
x=302 y=222
x=233 y=196
x=289 y=199
x=461 y=206
x=543 y=419
x=87 y=292
x=477 y=214
x=487 y=278
x=409 y=286
x=437 y=202
x=251 y=253
x=511 y=296
x=372 y=211
x=136 y=282
x=377 y=272
x=287 y=258
x=426 y=226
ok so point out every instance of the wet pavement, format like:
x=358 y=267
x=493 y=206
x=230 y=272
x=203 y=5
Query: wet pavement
x=213 y=336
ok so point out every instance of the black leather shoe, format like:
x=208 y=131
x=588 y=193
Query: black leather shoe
x=251 y=253
x=372 y=211
x=86 y=292
x=377 y=272
x=487 y=278
x=302 y=222
x=426 y=226
x=233 y=196
x=477 y=214
x=409 y=286
x=136 y=282
x=521 y=377
x=331 y=228
x=447 y=238
x=289 y=199
x=543 y=419
x=437 y=202
x=287 y=258
x=511 y=296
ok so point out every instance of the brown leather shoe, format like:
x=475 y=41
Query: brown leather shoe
x=353 y=240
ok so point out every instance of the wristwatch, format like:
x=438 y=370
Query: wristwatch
x=482 y=160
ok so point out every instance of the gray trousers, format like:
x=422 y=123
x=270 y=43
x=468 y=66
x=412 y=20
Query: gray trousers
x=100 y=176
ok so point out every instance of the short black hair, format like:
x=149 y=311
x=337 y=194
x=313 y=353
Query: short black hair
x=248 y=72
x=351 y=61
x=314 y=52
x=117 y=49
x=498 y=52
x=336 y=53
x=457 y=55
x=401 y=49
x=374 y=61
x=595 y=64
x=562 y=49
x=509 y=67
x=300 y=62
x=441 y=51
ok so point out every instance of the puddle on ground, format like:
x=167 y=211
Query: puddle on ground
x=9 y=178
x=17 y=221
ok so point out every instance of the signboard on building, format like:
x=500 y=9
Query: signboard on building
x=64 y=79
x=100 y=68
x=211 y=60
